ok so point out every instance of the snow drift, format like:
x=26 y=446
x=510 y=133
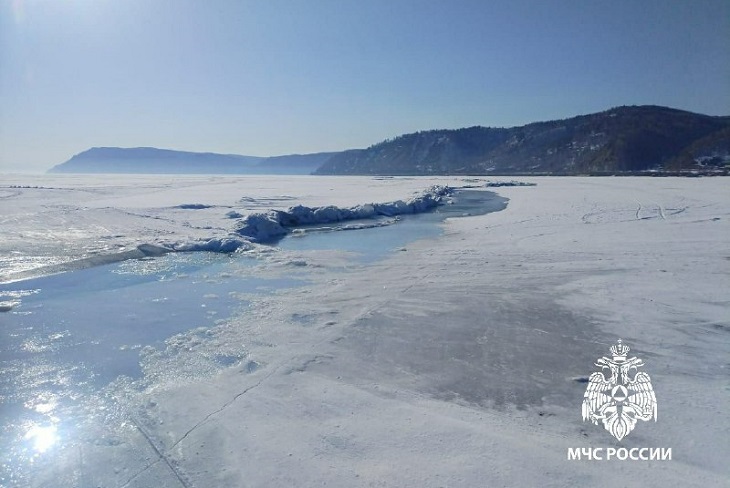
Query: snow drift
x=270 y=226
x=215 y=244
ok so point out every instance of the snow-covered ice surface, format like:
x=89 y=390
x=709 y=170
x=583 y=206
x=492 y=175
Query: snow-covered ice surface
x=47 y=222
x=457 y=361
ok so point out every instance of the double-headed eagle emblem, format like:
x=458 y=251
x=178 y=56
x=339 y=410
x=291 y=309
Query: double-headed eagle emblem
x=619 y=395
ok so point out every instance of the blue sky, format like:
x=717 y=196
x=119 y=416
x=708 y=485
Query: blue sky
x=274 y=77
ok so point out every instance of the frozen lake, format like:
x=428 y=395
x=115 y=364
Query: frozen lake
x=415 y=354
x=71 y=334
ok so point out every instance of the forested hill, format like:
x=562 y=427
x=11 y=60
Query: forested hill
x=621 y=140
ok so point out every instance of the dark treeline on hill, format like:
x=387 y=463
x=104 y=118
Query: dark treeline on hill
x=623 y=140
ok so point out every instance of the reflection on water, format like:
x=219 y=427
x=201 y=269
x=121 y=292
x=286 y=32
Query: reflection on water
x=41 y=437
x=69 y=335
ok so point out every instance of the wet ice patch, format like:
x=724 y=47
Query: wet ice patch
x=368 y=224
x=375 y=238
x=94 y=337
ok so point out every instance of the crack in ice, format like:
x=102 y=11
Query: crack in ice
x=224 y=406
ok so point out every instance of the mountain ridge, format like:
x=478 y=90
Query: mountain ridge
x=152 y=160
x=621 y=140
x=644 y=139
